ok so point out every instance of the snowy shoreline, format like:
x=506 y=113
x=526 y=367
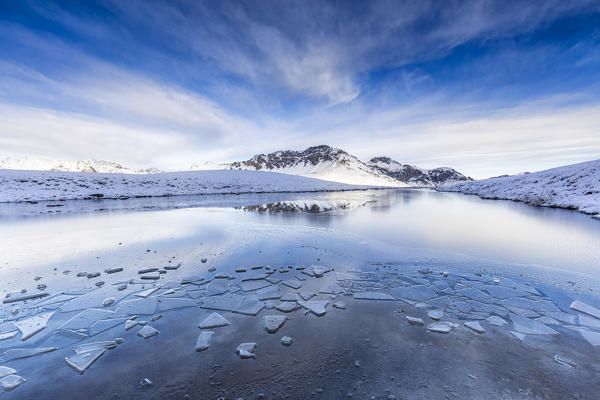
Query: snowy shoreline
x=573 y=187
x=30 y=186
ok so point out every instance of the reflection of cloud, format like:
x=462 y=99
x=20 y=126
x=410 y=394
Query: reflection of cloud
x=29 y=243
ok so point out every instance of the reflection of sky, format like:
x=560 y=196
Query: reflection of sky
x=447 y=222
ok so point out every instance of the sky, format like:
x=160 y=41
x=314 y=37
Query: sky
x=487 y=87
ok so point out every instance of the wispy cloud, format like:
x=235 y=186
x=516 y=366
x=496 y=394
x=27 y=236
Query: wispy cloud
x=169 y=83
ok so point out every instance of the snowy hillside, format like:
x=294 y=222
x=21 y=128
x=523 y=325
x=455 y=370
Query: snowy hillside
x=325 y=162
x=48 y=164
x=415 y=176
x=54 y=185
x=574 y=186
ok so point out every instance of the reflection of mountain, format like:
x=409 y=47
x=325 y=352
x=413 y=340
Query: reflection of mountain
x=301 y=206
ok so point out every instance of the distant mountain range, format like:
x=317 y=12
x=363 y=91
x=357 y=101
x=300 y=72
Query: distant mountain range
x=47 y=164
x=322 y=162
x=329 y=163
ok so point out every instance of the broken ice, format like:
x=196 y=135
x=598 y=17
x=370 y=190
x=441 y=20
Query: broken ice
x=204 y=340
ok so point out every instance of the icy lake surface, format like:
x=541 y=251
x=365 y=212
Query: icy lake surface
x=419 y=269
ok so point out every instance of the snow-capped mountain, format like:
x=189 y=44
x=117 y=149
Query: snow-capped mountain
x=329 y=163
x=322 y=162
x=207 y=166
x=48 y=164
x=415 y=176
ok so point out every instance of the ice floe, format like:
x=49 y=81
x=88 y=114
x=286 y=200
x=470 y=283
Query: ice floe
x=15 y=354
x=316 y=307
x=223 y=303
x=147 y=332
x=246 y=350
x=272 y=323
x=435 y=314
x=166 y=304
x=214 y=320
x=269 y=293
x=565 y=361
x=147 y=292
x=5 y=371
x=204 y=340
x=11 y=382
x=287 y=306
x=249 y=305
x=137 y=306
x=80 y=362
x=585 y=308
x=441 y=327
x=13 y=298
x=86 y=318
x=415 y=321
x=475 y=326
x=497 y=321
x=527 y=326
x=31 y=326
x=593 y=338
x=415 y=293
x=251 y=285
x=373 y=296
x=292 y=283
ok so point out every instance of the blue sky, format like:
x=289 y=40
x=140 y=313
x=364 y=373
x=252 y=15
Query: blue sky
x=487 y=87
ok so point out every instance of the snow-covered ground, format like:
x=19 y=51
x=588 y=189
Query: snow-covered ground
x=18 y=185
x=574 y=186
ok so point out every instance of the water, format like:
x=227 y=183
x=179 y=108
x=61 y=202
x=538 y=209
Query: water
x=393 y=235
x=445 y=225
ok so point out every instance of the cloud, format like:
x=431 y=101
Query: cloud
x=315 y=49
x=166 y=84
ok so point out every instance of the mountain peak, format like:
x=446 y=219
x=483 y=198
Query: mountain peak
x=48 y=164
x=416 y=176
x=330 y=163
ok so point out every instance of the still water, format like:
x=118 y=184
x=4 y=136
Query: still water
x=403 y=225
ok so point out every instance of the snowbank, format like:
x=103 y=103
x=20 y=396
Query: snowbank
x=18 y=185
x=574 y=186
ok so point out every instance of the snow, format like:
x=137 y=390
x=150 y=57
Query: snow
x=574 y=186
x=17 y=185
x=321 y=162
x=49 y=164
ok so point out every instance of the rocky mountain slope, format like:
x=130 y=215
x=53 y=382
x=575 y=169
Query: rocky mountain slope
x=48 y=164
x=329 y=163
x=322 y=162
x=575 y=186
x=415 y=176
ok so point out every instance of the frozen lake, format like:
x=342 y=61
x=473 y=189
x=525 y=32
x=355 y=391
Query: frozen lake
x=446 y=225
x=441 y=251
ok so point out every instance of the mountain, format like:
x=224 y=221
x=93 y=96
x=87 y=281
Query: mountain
x=575 y=187
x=329 y=163
x=322 y=162
x=47 y=164
x=415 y=176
